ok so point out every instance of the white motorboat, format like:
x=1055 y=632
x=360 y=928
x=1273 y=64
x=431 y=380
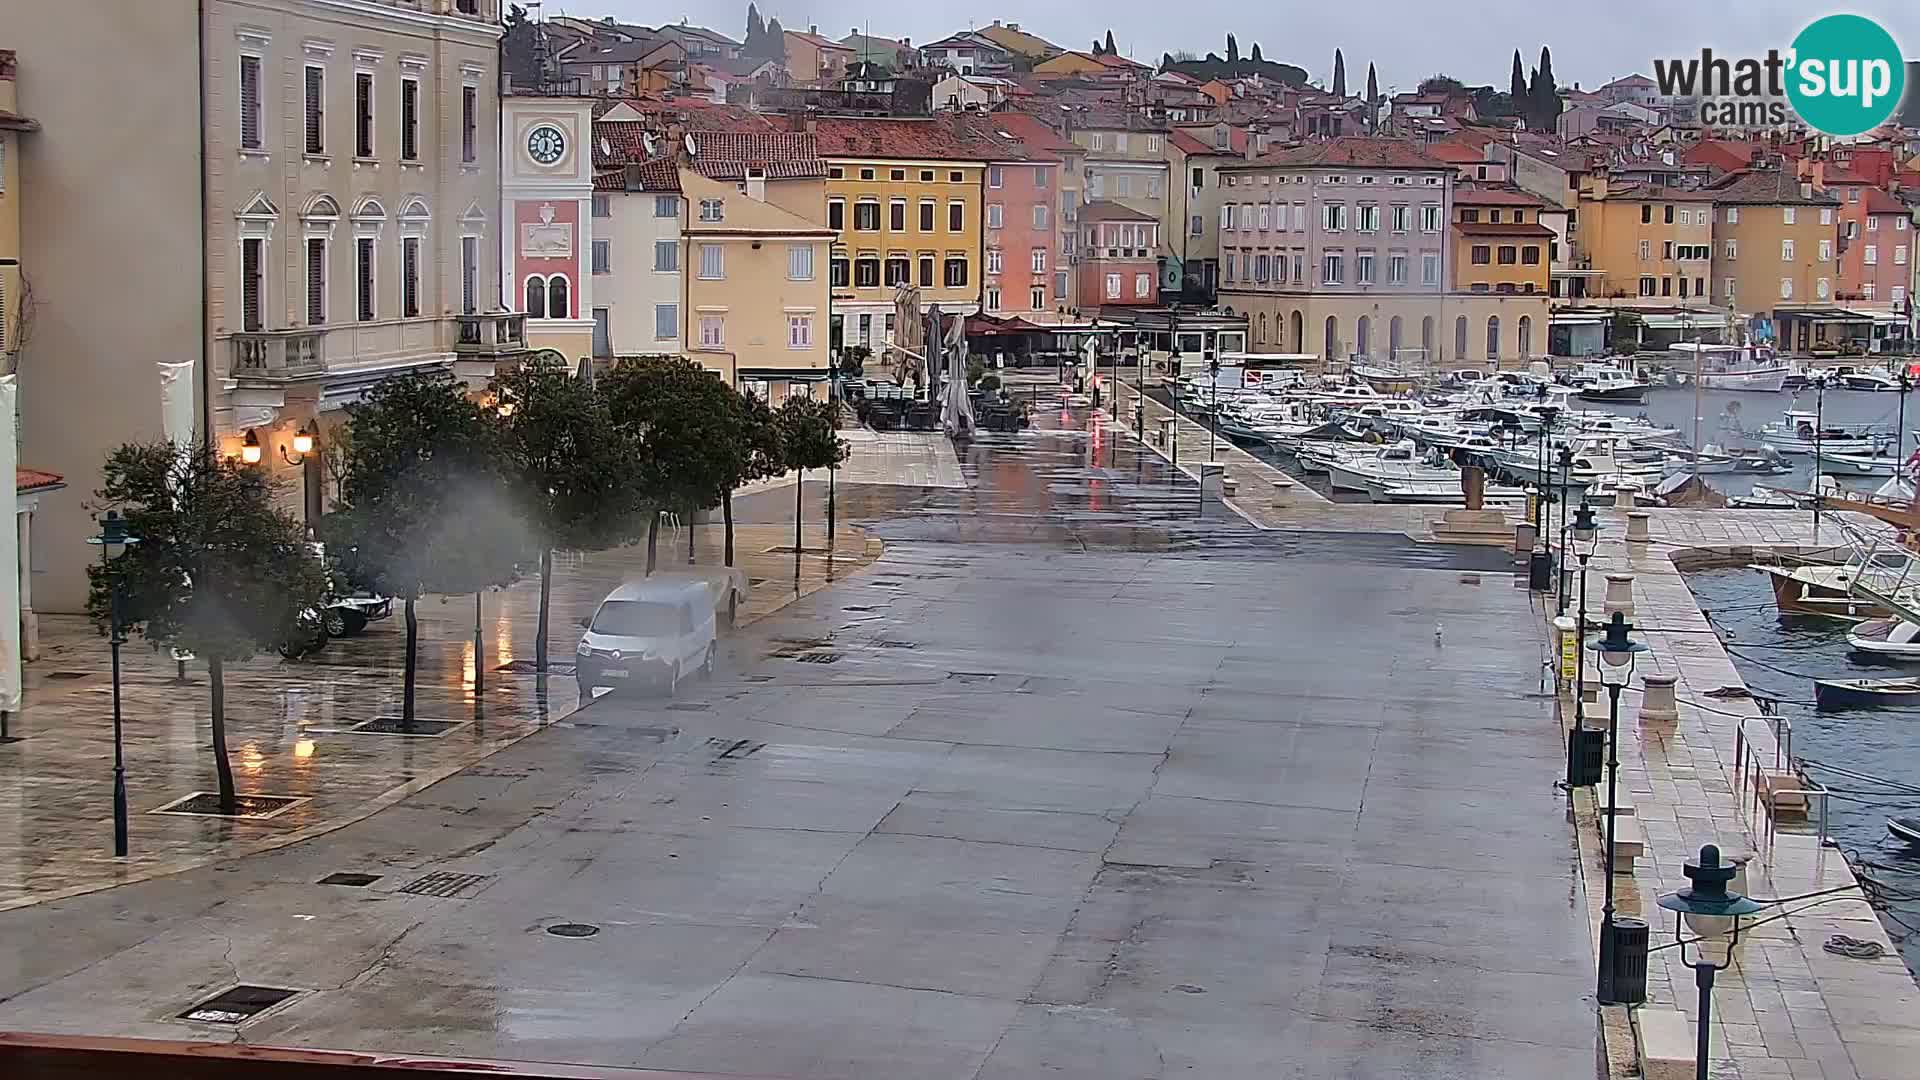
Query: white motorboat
x=1615 y=385
x=1718 y=461
x=1867 y=379
x=1886 y=639
x=1440 y=493
x=1796 y=433
x=1730 y=367
x=1400 y=461
x=1860 y=464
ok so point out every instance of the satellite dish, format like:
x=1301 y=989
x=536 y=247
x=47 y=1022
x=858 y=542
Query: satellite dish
x=647 y=142
x=606 y=148
x=692 y=147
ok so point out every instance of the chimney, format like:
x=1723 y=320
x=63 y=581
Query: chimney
x=757 y=184
x=1253 y=141
x=813 y=119
x=812 y=29
x=633 y=176
x=1806 y=189
x=996 y=22
x=1014 y=26
x=907 y=41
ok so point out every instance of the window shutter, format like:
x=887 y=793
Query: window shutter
x=363 y=274
x=410 y=120
x=316 y=282
x=363 y=114
x=410 y=276
x=469 y=273
x=316 y=110
x=250 y=102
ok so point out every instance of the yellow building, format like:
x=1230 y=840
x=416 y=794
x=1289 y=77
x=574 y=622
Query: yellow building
x=756 y=281
x=904 y=198
x=1652 y=245
x=1499 y=243
x=1775 y=252
x=12 y=124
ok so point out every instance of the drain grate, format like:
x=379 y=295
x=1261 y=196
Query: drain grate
x=352 y=881
x=68 y=674
x=689 y=706
x=735 y=749
x=818 y=658
x=451 y=886
x=971 y=676
x=238 y=1005
x=207 y=804
x=394 y=725
x=573 y=929
x=881 y=644
x=526 y=667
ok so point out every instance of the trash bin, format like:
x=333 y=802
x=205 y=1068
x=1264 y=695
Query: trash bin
x=1540 y=572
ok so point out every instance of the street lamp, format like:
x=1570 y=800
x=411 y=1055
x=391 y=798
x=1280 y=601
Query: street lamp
x=250 y=448
x=1213 y=413
x=1566 y=492
x=1707 y=895
x=1586 y=538
x=303 y=441
x=1819 y=422
x=112 y=541
x=1617 y=651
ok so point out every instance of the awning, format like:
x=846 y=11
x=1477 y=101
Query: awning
x=1576 y=320
x=988 y=326
x=1697 y=321
x=783 y=374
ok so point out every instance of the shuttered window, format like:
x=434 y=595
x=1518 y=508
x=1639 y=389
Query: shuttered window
x=410 y=119
x=251 y=260
x=250 y=102
x=363 y=114
x=469 y=120
x=469 y=273
x=316 y=110
x=410 y=276
x=316 y=282
x=363 y=277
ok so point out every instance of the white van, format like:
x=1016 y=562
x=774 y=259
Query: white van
x=652 y=632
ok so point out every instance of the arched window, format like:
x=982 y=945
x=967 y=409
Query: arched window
x=557 y=298
x=536 y=297
x=1393 y=337
x=1261 y=334
x=1299 y=332
x=1493 y=337
x=1426 y=335
x=1460 y=338
x=1333 y=338
x=1526 y=337
x=1363 y=337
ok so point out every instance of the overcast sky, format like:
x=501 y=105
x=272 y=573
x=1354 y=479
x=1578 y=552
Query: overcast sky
x=1407 y=39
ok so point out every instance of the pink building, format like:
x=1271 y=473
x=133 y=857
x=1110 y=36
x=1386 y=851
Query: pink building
x=1119 y=257
x=1019 y=240
x=1876 y=263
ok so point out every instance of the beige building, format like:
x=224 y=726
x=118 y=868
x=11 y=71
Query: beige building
x=756 y=282
x=1776 y=253
x=348 y=228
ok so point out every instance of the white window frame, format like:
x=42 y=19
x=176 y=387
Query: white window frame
x=1226 y=217
x=1786 y=249
x=799 y=330
x=1733 y=215
x=1787 y=214
x=1039 y=260
x=1733 y=249
x=1826 y=250
x=672 y=311
x=419 y=103
x=800 y=262
x=995 y=261
x=995 y=180
x=1142 y=285
x=411 y=246
x=1430 y=218
x=602 y=255
x=996 y=216
x=1429 y=268
x=368 y=247
x=314 y=111
x=713 y=211
x=259 y=144
x=1332 y=267
x=716 y=321
x=372 y=114
x=1113 y=287
x=718 y=270
x=1786 y=288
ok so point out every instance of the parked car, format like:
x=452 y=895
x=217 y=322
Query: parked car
x=650 y=633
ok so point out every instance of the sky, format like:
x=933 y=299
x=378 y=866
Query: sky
x=1408 y=39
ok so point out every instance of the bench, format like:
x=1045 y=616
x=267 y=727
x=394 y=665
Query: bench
x=1771 y=782
x=1665 y=1040
x=1624 y=796
x=1628 y=842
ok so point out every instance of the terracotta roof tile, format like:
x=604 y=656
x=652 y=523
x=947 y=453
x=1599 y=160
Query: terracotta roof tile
x=1472 y=194
x=721 y=155
x=1879 y=202
x=1503 y=228
x=945 y=137
x=1190 y=143
x=1106 y=210
x=659 y=174
x=1354 y=152
x=1034 y=132
x=30 y=479
x=1765 y=187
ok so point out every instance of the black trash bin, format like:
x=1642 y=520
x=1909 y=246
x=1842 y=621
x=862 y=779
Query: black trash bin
x=1540 y=572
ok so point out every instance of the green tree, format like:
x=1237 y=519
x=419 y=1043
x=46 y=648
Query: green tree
x=756 y=33
x=809 y=439
x=1373 y=101
x=683 y=416
x=220 y=570
x=1439 y=84
x=1339 y=74
x=1256 y=53
x=427 y=503
x=1233 y=50
x=517 y=53
x=1517 y=82
x=776 y=48
x=1111 y=51
x=1543 y=96
x=578 y=469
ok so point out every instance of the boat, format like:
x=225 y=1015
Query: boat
x=1719 y=461
x=1354 y=471
x=1440 y=493
x=1615 y=386
x=1851 y=378
x=1860 y=464
x=1864 y=693
x=1764 y=498
x=1754 y=368
x=1886 y=639
x=1796 y=433
x=1904 y=828
x=1822 y=590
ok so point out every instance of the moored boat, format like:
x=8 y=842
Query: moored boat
x=1904 y=828
x=1822 y=590
x=1864 y=693
x=1886 y=639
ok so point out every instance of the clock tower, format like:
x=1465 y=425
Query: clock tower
x=546 y=186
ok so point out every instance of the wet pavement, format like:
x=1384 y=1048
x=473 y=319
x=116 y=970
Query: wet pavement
x=1078 y=780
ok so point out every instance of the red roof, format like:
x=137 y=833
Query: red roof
x=944 y=137
x=1837 y=175
x=720 y=155
x=1190 y=143
x=1454 y=153
x=1503 y=228
x=1033 y=132
x=1351 y=152
x=1106 y=210
x=1879 y=202
x=659 y=174
x=1765 y=187
x=34 y=479
x=1501 y=195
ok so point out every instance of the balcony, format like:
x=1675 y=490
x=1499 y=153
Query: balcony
x=279 y=354
x=491 y=334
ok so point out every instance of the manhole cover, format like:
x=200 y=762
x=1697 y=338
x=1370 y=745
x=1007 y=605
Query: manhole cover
x=819 y=658
x=443 y=884
x=573 y=929
x=207 y=804
x=238 y=1005
x=526 y=667
x=68 y=674
x=352 y=881
x=415 y=728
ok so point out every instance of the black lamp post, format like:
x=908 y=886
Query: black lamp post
x=1213 y=413
x=1586 y=537
x=1706 y=895
x=1140 y=387
x=1819 y=422
x=1566 y=493
x=1617 y=651
x=114 y=539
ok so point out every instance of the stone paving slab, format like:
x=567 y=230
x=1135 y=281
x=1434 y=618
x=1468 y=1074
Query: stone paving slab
x=288 y=723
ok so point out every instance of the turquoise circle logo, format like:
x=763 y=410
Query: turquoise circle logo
x=1846 y=75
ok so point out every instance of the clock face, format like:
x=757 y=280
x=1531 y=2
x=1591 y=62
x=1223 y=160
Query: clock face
x=545 y=144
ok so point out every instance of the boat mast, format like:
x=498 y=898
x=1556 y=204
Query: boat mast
x=1688 y=319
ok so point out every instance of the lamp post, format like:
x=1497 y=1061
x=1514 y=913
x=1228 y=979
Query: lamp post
x=1586 y=535
x=1213 y=410
x=112 y=541
x=1140 y=389
x=1819 y=421
x=1616 y=651
x=1566 y=492
x=1706 y=894
x=303 y=440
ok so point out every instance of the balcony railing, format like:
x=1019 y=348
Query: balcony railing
x=282 y=354
x=496 y=332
